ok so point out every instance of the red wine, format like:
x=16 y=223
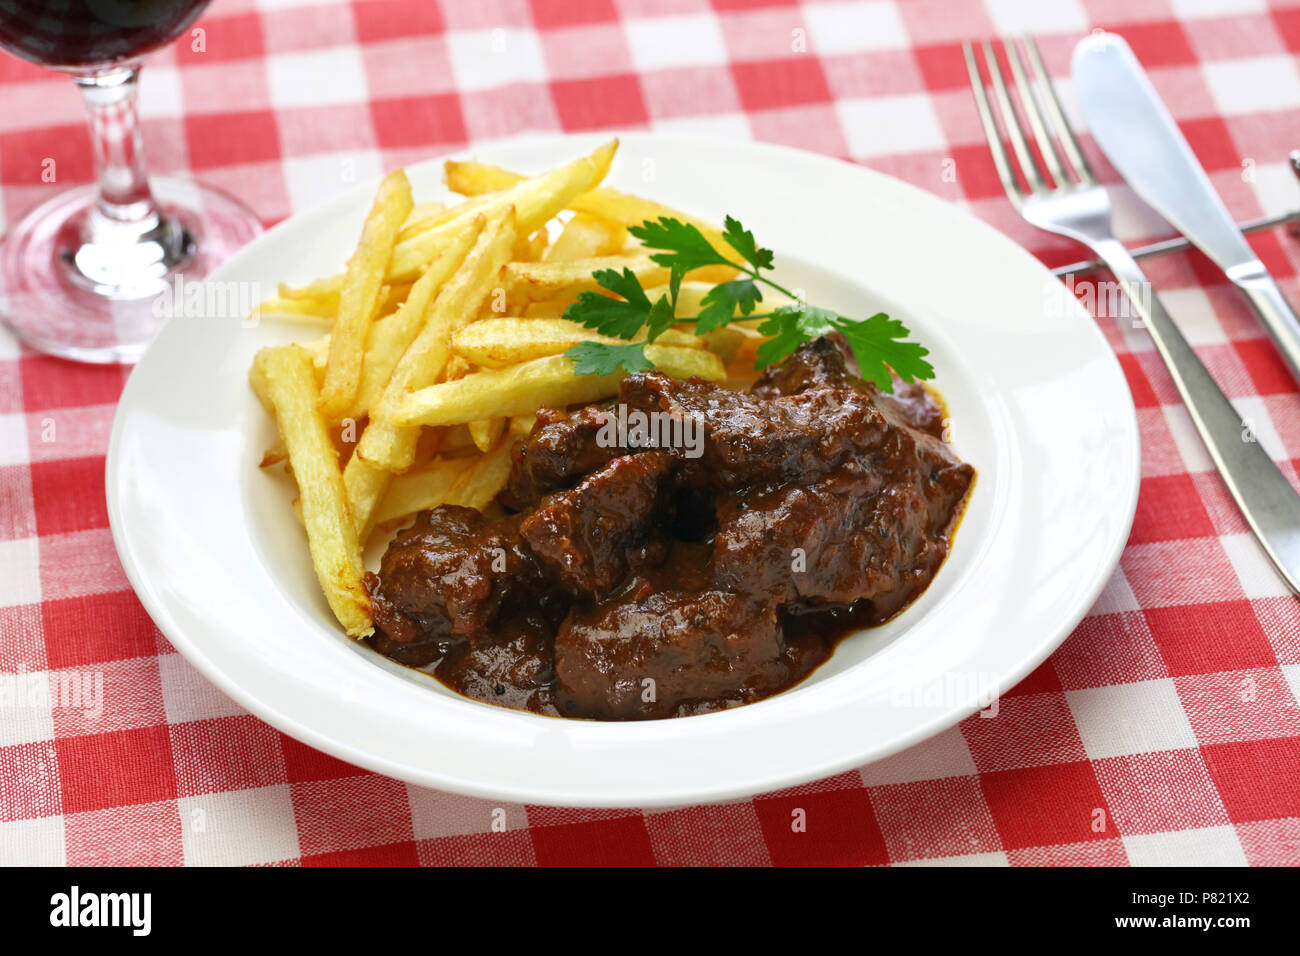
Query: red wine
x=83 y=33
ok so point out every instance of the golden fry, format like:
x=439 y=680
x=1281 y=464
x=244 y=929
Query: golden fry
x=535 y=201
x=286 y=374
x=496 y=343
x=480 y=484
x=486 y=432
x=587 y=237
x=474 y=178
x=390 y=445
x=522 y=389
x=421 y=489
x=389 y=339
x=358 y=299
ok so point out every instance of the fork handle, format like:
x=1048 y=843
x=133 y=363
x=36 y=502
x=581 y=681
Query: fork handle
x=1266 y=499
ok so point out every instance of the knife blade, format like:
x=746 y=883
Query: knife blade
x=1130 y=123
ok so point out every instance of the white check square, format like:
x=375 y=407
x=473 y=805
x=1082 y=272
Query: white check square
x=1129 y=719
x=889 y=125
x=1211 y=846
x=663 y=43
x=482 y=59
x=853 y=27
x=317 y=77
x=239 y=828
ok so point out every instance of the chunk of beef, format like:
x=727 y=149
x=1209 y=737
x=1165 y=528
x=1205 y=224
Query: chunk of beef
x=753 y=442
x=583 y=536
x=514 y=669
x=451 y=573
x=876 y=528
x=631 y=660
x=822 y=363
x=817 y=363
x=560 y=450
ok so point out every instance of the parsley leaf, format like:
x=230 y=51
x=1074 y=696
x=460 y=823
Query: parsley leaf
x=685 y=247
x=719 y=305
x=742 y=240
x=791 y=326
x=621 y=318
x=596 y=358
x=877 y=341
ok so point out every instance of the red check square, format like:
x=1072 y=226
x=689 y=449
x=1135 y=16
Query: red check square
x=68 y=495
x=1169 y=509
x=1040 y=806
x=94 y=628
x=388 y=854
x=394 y=19
x=824 y=828
x=1201 y=639
x=549 y=14
x=620 y=841
x=1257 y=779
x=1139 y=386
x=604 y=102
x=52 y=383
x=418 y=121
x=228 y=139
x=773 y=84
x=33 y=155
x=303 y=763
x=221 y=38
x=116 y=769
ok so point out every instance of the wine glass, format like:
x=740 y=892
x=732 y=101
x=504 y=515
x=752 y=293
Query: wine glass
x=87 y=275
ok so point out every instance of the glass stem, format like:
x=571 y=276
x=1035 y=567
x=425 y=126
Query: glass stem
x=124 y=196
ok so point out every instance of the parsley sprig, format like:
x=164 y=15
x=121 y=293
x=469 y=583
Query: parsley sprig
x=879 y=342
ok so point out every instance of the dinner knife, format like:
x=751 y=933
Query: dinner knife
x=1142 y=141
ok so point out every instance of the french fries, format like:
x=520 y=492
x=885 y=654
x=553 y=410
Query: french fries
x=444 y=337
x=421 y=489
x=359 y=296
x=481 y=483
x=390 y=445
x=390 y=338
x=587 y=237
x=521 y=389
x=496 y=343
x=472 y=178
x=290 y=386
x=535 y=201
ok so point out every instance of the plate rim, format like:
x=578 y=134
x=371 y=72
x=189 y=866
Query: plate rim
x=522 y=792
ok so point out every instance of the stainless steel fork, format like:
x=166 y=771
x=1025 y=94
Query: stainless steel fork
x=1060 y=194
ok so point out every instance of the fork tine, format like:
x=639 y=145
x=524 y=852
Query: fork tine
x=1047 y=90
x=1047 y=147
x=1000 y=158
x=1028 y=166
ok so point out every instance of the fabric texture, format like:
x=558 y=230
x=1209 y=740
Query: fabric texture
x=1166 y=728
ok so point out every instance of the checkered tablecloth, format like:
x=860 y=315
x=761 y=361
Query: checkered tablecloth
x=1165 y=730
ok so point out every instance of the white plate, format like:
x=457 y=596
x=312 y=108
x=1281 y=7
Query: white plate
x=1038 y=404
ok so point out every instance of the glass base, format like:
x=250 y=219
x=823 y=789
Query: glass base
x=66 y=288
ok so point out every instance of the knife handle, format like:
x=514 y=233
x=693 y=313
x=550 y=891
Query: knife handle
x=1273 y=309
x=1266 y=499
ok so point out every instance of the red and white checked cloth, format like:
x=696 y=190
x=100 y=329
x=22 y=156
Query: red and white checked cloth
x=1165 y=730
